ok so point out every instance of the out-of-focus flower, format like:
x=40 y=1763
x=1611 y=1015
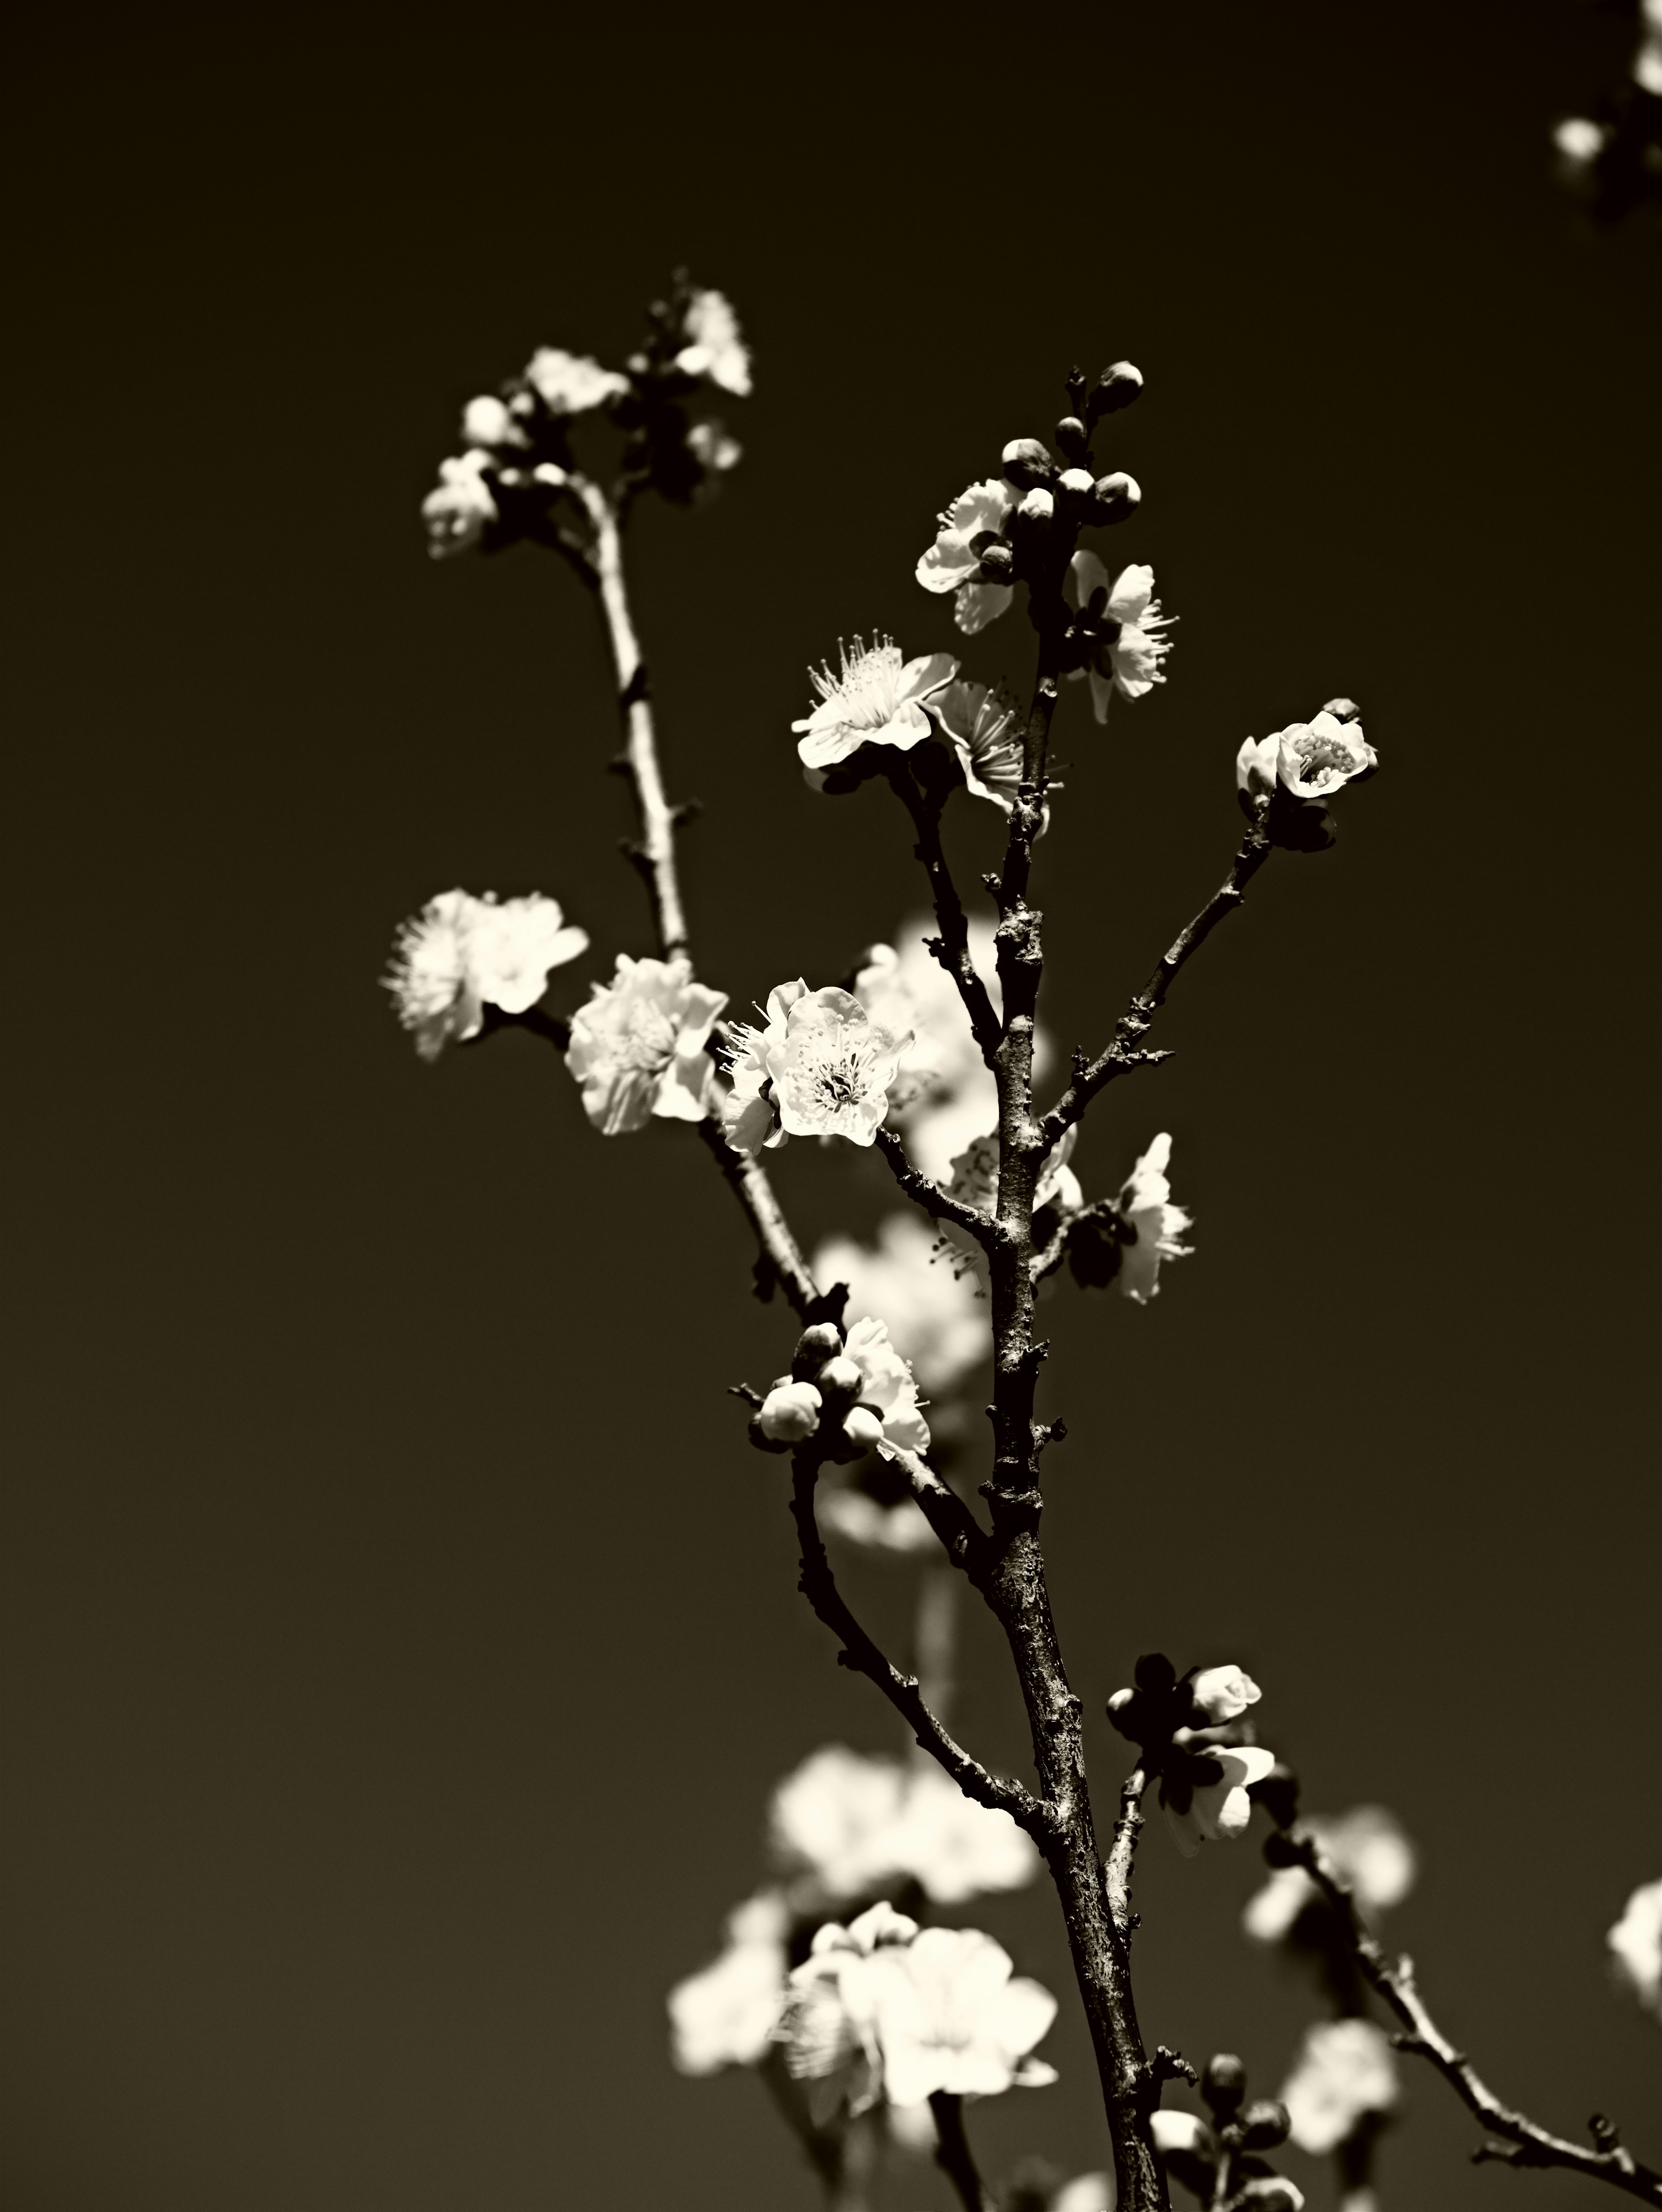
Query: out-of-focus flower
x=829 y=2023
x=886 y=1385
x=1344 y=2071
x=1635 y=1945
x=984 y=728
x=750 y=1113
x=903 y=986
x=1190 y=2151
x=974 y=1175
x=1647 y=61
x=932 y=1313
x=713 y=449
x=844 y=1825
x=790 y=1413
x=1223 y=1694
x=1086 y=2192
x=831 y=1069
x=713 y=347
x=1580 y=140
x=1128 y=658
x=1203 y=1793
x=572 y=383
x=637 y=1048
x=876 y=698
x=951 y=2017
x=953 y=564
x=1145 y=1206
x=1315 y=759
x=461 y=954
x=726 y=2015
x=859 y=1518
x=488 y=421
x=457 y=512
x=1372 y=1855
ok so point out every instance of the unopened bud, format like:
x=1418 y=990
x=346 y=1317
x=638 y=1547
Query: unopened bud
x=486 y=422
x=1342 y=710
x=762 y=1440
x=1223 y=2084
x=1116 y=387
x=839 y=1379
x=1264 y=2124
x=1076 y=482
x=998 y=563
x=1273 y=2192
x=862 y=1428
x=1072 y=437
x=1027 y=463
x=1122 y=1712
x=814 y=1347
x=1038 y=505
x=790 y=1414
x=1117 y=496
x=1223 y=1694
x=1153 y=1671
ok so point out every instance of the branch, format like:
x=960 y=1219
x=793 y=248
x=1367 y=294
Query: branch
x=954 y=2157
x=1124 y=1850
x=961 y=1535
x=952 y=949
x=1134 y=1022
x=1523 y=2143
x=781 y=1261
x=933 y=1199
x=819 y=1586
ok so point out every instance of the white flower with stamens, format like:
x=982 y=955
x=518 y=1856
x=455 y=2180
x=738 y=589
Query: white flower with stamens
x=887 y=1386
x=750 y=1113
x=713 y=347
x=1373 y=1857
x=876 y=698
x=832 y=1069
x=1203 y=1793
x=1315 y=759
x=637 y=1048
x=457 y=512
x=984 y=728
x=461 y=954
x=951 y=2018
x=952 y=564
x=1636 y=1947
x=1344 y=2074
x=829 y=2026
x=571 y=383
x=1128 y=658
x=727 y=2016
x=1145 y=1206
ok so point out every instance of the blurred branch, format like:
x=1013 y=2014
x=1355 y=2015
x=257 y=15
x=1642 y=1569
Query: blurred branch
x=954 y=2157
x=1521 y=2142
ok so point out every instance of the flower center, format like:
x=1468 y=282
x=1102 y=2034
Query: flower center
x=864 y=687
x=649 y=1043
x=839 y=1074
x=1315 y=754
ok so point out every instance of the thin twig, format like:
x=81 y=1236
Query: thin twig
x=1522 y=2143
x=782 y=1255
x=954 y=2157
x=952 y=948
x=1123 y=1850
x=819 y=1586
x=929 y=1194
x=1134 y=1022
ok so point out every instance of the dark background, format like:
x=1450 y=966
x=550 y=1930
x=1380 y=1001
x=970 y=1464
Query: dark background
x=404 y=1640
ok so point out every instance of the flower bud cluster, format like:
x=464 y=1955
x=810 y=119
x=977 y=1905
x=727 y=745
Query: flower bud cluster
x=1286 y=779
x=847 y=1394
x=1193 y=1737
x=1220 y=2163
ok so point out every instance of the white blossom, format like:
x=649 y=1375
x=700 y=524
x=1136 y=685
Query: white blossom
x=859 y=1518
x=974 y=1179
x=1129 y=663
x=571 y=383
x=750 y=1113
x=1186 y=2133
x=1086 y=2192
x=1206 y=1800
x=488 y=421
x=933 y=1314
x=713 y=347
x=831 y=1069
x=1372 y=1855
x=1223 y=1694
x=984 y=728
x=950 y=563
x=886 y=1385
x=903 y=986
x=846 y=1825
x=727 y=2016
x=1648 y=60
x=461 y=954
x=876 y=697
x=1316 y=759
x=712 y=447
x=1635 y=1945
x=458 y=511
x=829 y=2023
x=1145 y=1204
x=1580 y=140
x=951 y=2017
x=1344 y=2071
x=637 y=1048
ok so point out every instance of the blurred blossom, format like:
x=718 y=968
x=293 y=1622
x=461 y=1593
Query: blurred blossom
x=1203 y=1793
x=974 y=1175
x=1145 y=1205
x=953 y=564
x=726 y=2015
x=1580 y=140
x=1372 y=1854
x=637 y=1048
x=854 y=1515
x=886 y=1385
x=457 y=512
x=1128 y=658
x=1345 y=2071
x=844 y=1825
x=461 y=954
x=1223 y=1694
x=487 y=421
x=1635 y=1945
x=571 y=383
x=1190 y=2151
x=934 y=1316
x=713 y=347
x=876 y=697
x=1648 y=62
x=829 y=2024
x=712 y=447
x=1086 y=2192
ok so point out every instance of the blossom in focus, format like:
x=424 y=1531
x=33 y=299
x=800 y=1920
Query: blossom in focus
x=726 y=2015
x=984 y=727
x=637 y=1048
x=571 y=383
x=789 y=1413
x=1204 y=1794
x=461 y=954
x=1345 y=2071
x=1315 y=759
x=831 y=1069
x=1635 y=1945
x=953 y=2017
x=458 y=511
x=1223 y=1694
x=1127 y=657
x=1145 y=1206
x=750 y=1113
x=1372 y=1855
x=875 y=698
x=886 y=1386
x=713 y=347
x=953 y=564
x=931 y=1311
x=845 y=1825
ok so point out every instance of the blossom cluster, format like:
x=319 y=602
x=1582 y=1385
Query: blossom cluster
x=852 y=1394
x=1286 y=778
x=1222 y=2162
x=1191 y=1731
x=462 y=954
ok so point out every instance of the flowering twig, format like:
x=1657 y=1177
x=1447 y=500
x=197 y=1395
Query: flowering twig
x=1122 y=1851
x=781 y=1261
x=952 y=949
x=819 y=1586
x=1522 y=2143
x=1134 y=1022
x=954 y=2157
x=929 y=1194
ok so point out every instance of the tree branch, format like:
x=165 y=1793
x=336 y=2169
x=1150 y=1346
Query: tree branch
x=952 y=949
x=1134 y=1022
x=819 y=1586
x=929 y=1194
x=1124 y=1850
x=1523 y=2143
x=781 y=1261
x=954 y=2157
